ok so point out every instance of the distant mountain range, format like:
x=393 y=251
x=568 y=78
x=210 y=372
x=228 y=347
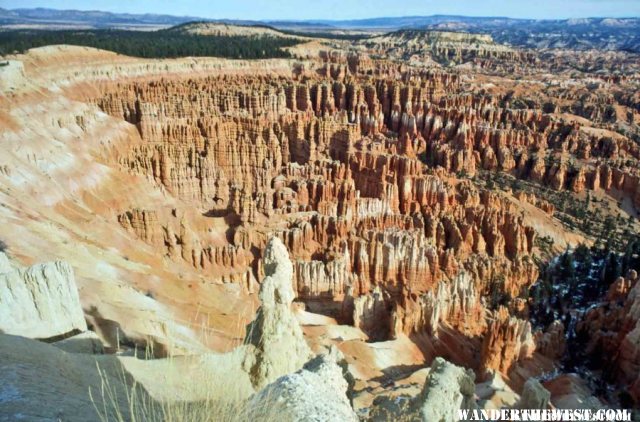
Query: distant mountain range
x=582 y=34
x=409 y=21
x=109 y=19
x=600 y=33
x=85 y=18
x=418 y=21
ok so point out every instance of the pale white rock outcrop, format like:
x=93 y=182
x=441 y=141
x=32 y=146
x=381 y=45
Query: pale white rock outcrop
x=447 y=389
x=279 y=345
x=40 y=301
x=534 y=396
x=12 y=75
x=318 y=392
x=495 y=393
x=5 y=264
x=317 y=278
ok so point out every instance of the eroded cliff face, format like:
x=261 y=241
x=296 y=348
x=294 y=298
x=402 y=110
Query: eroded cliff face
x=63 y=189
x=370 y=182
x=162 y=185
x=380 y=240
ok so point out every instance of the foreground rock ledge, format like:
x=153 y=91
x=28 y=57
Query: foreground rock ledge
x=40 y=301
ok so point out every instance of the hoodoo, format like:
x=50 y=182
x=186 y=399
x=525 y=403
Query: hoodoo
x=384 y=220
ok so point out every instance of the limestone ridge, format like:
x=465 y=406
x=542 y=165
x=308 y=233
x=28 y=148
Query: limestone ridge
x=280 y=347
x=318 y=392
x=40 y=301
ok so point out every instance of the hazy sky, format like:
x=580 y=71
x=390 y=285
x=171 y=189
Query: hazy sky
x=347 y=9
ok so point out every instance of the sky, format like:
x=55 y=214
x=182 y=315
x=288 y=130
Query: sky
x=348 y=9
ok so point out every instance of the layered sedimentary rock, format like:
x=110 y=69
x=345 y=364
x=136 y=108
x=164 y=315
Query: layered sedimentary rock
x=40 y=301
x=454 y=303
x=387 y=184
x=335 y=167
x=183 y=235
x=371 y=314
x=315 y=163
x=551 y=342
x=569 y=391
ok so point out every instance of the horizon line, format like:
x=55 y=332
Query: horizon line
x=325 y=19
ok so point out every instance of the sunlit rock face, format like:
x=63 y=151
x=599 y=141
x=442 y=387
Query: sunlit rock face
x=40 y=301
x=279 y=346
x=411 y=181
x=315 y=162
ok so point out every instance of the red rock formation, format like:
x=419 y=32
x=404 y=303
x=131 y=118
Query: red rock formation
x=378 y=238
x=360 y=168
x=507 y=341
x=371 y=171
x=455 y=303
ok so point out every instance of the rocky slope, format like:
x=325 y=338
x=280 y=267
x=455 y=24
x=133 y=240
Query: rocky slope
x=222 y=385
x=416 y=203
